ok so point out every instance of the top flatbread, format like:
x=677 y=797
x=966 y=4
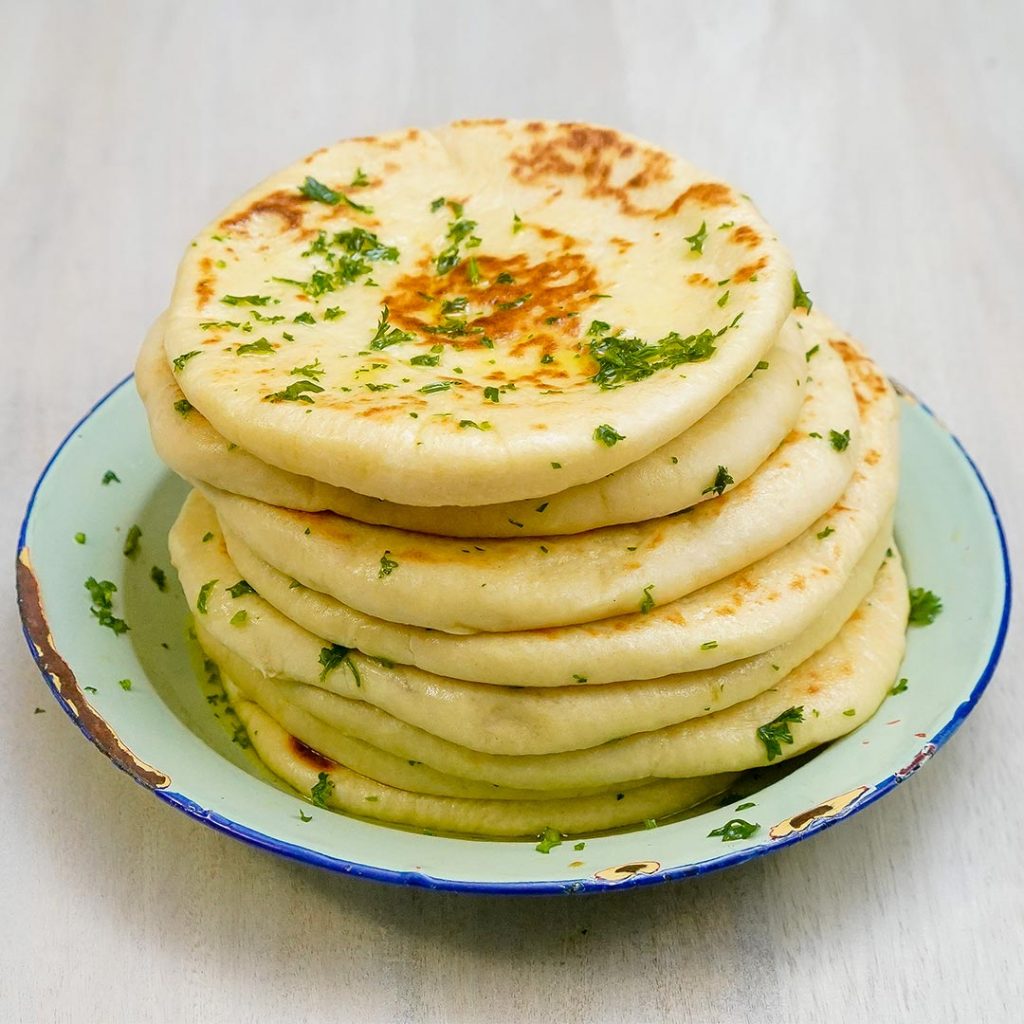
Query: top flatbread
x=560 y=301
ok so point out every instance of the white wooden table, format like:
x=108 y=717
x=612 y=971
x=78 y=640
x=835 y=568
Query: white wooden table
x=884 y=141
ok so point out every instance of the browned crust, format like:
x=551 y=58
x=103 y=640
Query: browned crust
x=59 y=674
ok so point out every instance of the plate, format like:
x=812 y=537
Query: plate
x=166 y=735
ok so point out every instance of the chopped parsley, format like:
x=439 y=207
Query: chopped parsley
x=333 y=312
x=387 y=565
x=319 y=192
x=549 y=839
x=386 y=334
x=621 y=359
x=241 y=588
x=434 y=386
x=724 y=298
x=776 y=732
x=839 y=441
x=924 y=607
x=245 y=300
x=483 y=425
x=183 y=406
x=517 y=223
x=313 y=369
x=304 y=318
x=101 y=592
x=721 y=481
x=238 y=619
x=125 y=684
x=709 y=645
x=696 y=240
x=321 y=792
x=79 y=538
x=801 y=300
x=647 y=601
x=261 y=345
x=426 y=359
x=359 y=180
x=258 y=316
x=606 y=435
x=827 y=532
x=811 y=352
x=304 y=817
x=556 y=465
x=459 y=230
x=110 y=477
x=492 y=395
x=850 y=712
x=207 y=536
x=295 y=392
x=204 y=596
x=898 y=688
x=333 y=656
x=159 y=577
x=436 y=204
x=735 y=829
x=179 y=361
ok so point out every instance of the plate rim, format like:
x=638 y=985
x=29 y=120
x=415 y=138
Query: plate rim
x=40 y=645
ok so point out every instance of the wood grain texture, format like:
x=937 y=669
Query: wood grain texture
x=886 y=144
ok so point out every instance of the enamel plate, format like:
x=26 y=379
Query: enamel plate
x=166 y=734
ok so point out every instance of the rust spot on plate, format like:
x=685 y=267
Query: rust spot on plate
x=59 y=674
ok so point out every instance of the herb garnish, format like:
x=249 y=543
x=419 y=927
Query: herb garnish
x=709 y=645
x=320 y=793
x=159 y=577
x=79 y=538
x=647 y=601
x=827 y=532
x=721 y=481
x=898 y=688
x=386 y=334
x=204 y=596
x=697 y=239
x=241 y=588
x=125 y=684
x=839 y=441
x=313 y=369
x=776 y=732
x=295 y=392
x=492 y=395
x=801 y=300
x=387 y=565
x=607 y=435
x=623 y=360
x=335 y=655
x=812 y=351
x=735 y=829
x=131 y=541
x=179 y=361
x=319 y=192
x=360 y=179
x=183 y=406
x=110 y=477
x=549 y=839
x=245 y=300
x=101 y=592
x=924 y=607
x=459 y=230
x=261 y=345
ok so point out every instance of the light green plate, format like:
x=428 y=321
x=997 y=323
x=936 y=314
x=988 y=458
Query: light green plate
x=165 y=733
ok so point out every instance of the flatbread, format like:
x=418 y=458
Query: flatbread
x=492 y=719
x=460 y=586
x=740 y=433
x=826 y=697
x=592 y=271
x=347 y=791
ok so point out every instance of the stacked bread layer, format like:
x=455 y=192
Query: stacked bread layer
x=582 y=657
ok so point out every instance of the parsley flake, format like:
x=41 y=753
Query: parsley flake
x=719 y=484
x=735 y=829
x=387 y=565
x=801 y=300
x=204 y=596
x=321 y=792
x=159 y=577
x=647 y=601
x=697 y=239
x=776 y=732
x=295 y=392
x=319 y=192
x=607 y=436
x=110 y=477
x=549 y=839
x=179 y=361
x=924 y=607
x=898 y=688
x=101 y=592
x=839 y=441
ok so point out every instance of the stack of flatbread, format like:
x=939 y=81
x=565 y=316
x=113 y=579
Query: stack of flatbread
x=529 y=492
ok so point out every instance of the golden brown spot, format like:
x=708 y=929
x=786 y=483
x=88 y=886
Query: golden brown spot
x=471 y=122
x=704 y=193
x=724 y=609
x=313 y=758
x=622 y=244
x=204 y=286
x=595 y=157
x=316 y=152
x=288 y=207
x=700 y=279
x=746 y=235
x=515 y=312
x=675 y=618
x=747 y=272
x=871 y=456
x=797 y=583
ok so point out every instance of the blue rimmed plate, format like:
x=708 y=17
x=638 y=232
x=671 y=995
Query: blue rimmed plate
x=163 y=731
